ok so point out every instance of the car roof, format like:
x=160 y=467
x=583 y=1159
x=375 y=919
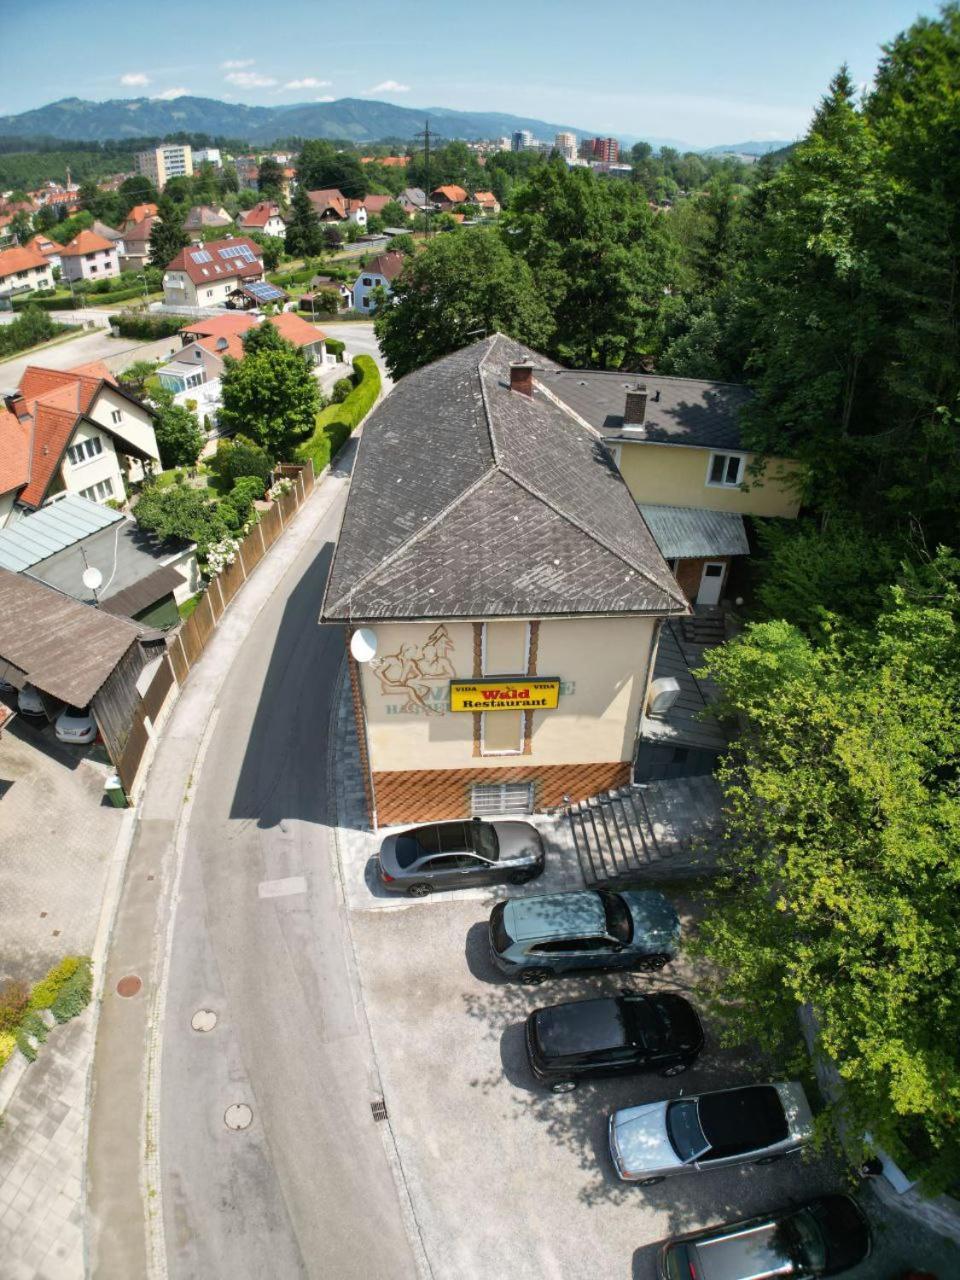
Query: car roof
x=751 y=1251
x=652 y=913
x=751 y=1117
x=555 y=915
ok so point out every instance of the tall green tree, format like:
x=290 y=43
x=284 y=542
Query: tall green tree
x=304 y=237
x=271 y=394
x=270 y=178
x=180 y=511
x=600 y=260
x=167 y=236
x=459 y=288
x=178 y=433
x=841 y=889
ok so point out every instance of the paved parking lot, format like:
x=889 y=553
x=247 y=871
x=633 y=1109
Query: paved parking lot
x=506 y=1179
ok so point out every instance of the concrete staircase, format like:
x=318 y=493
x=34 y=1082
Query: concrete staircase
x=656 y=829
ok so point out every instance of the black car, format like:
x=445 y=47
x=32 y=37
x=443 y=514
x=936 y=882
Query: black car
x=825 y=1237
x=612 y=1036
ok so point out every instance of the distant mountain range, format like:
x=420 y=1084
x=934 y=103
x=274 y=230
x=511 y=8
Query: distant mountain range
x=746 y=148
x=350 y=119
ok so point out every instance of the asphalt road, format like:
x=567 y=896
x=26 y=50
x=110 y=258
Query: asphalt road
x=261 y=940
x=117 y=353
x=360 y=340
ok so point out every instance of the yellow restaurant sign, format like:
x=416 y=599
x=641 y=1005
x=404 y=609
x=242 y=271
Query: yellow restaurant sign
x=504 y=695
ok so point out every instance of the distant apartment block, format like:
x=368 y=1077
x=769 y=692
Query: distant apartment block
x=208 y=155
x=166 y=162
x=566 y=145
x=523 y=140
x=606 y=150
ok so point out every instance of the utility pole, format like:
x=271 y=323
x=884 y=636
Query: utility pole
x=425 y=136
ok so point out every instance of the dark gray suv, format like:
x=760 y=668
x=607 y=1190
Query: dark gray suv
x=456 y=855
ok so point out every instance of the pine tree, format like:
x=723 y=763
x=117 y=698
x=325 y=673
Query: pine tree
x=304 y=237
x=167 y=236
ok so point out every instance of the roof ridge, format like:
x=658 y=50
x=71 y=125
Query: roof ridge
x=410 y=541
x=590 y=533
x=488 y=416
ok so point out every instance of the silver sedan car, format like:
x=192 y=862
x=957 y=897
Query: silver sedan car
x=457 y=855
x=754 y=1124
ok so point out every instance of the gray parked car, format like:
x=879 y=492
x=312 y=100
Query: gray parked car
x=455 y=855
x=754 y=1124
x=535 y=938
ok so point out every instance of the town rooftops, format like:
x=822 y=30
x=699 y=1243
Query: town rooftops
x=63 y=648
x=43 y=244
x=140 y=232
x=259 y=215
x=86 y=242
x=236 y=257
x=450 y=193
x=222 y=335
x=678 y=410
x=505 y=506
x=218 y=326
x=21 y=258
x=690 y=532
x=45 y=532
x=388 y=265
x=139 y=212
x=105 y=230
x=205 y=215
x=376 y=204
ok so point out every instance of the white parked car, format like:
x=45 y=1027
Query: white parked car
x=754 y=1124
x=29 y=702
x=76 y=724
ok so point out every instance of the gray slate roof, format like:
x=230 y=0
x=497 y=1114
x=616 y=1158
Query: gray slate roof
x=471 y=500
x=689 y=411
x=49 y=530
x=693 y=531
x=64 y=648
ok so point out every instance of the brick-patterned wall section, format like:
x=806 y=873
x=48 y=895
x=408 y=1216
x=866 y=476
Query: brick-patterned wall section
x=430 y=795
x=356 y=696
x=689 y=572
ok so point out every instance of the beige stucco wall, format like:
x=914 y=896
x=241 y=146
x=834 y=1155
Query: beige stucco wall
x=601 y=662
x=135 y=425
x=676 y=475
x=32 y=278
x=105 y=466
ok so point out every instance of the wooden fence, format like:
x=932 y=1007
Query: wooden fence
x=187 y=646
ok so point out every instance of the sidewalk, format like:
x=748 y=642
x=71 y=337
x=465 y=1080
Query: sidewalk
x=124 y=1216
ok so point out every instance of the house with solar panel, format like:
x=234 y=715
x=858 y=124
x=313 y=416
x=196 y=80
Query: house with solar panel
x=206 y=275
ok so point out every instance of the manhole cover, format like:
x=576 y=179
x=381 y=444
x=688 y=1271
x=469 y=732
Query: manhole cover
x=129 y=986
x=239 y=1116
x=203 y=1020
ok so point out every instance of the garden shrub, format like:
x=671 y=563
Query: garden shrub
x=238 y=504
x=47 y=989
x=75 y=992
x=238 y=457
x=337 y=421
x=335 y=347
x=131 y=325
x=8 y=1042
x=14 y=1001
x=341 y=389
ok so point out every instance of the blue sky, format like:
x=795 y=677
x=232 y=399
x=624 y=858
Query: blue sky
x=697 y=70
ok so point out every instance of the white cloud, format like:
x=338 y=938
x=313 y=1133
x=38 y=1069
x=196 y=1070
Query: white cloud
x=389 y=86
x=325 y=97
x=249 y=79
x=169 y=94
x=236 y=64
x=308 y=82
x=134 y=78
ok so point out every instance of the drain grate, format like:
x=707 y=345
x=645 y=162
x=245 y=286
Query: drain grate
x=379 y=1109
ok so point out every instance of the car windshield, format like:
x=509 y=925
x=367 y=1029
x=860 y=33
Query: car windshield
x=683 y=1130
x=484 y=840
x=804 y=1242
x=619 y=920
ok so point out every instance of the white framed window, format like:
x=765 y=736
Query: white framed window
x=488 y=799
x=98 y=492
x=725 y=470
x=116 y=415
x=85 y=450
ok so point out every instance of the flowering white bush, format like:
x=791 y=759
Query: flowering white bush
x=278 y=490
x=221 y=554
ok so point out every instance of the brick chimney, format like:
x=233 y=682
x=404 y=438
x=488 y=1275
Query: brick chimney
x=521 y=377
x=635 y=409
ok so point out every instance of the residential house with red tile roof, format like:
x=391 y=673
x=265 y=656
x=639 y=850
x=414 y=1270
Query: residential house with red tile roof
x=138 y=213
x=447 y=196
x=486 y=201
x=205 y=215
x=135 y=246
x=265 y=217
x=49 y=248
x=375 y=205
x=205 y=275
x=378 y=274
x=388 y=162
x=331 y=205
x=207 y=343
x=24 y=268
x=72 y=430
x=89 y=257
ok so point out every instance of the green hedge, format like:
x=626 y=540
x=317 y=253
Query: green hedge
x=336 y=423
x=132 y=325
x=74 y=304
x=335 y=347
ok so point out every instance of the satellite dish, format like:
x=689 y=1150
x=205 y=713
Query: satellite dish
x=92 y=578
x=363 y=644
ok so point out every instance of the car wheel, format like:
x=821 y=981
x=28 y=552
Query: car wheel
x=533 y=977
x=419 y=890
x=677 y=1069
x=563 y=1086
x=648 y=1182
x=768 y=1159
x=650 y=964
